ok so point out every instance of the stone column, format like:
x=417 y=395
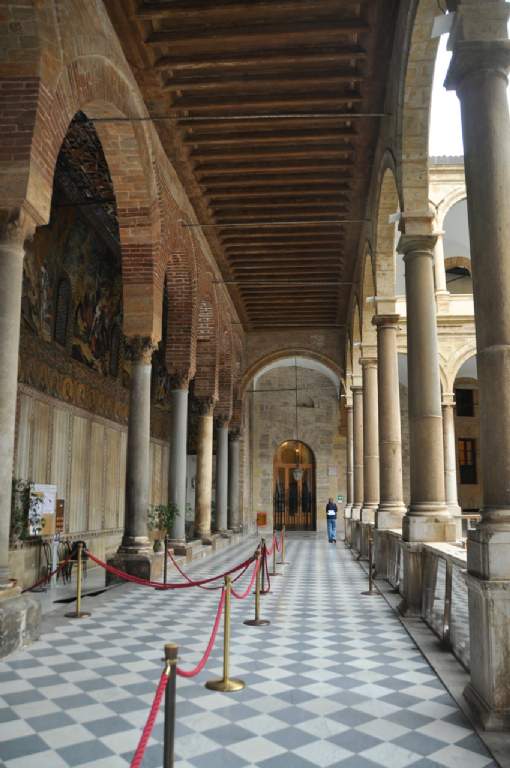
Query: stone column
x=203 y=493
x=439 y=270
x=222 y=476
x=357 y=442
x=349 y=472
x=178 y=462
x=427 y=518
x=478 y=72
x=391 y=506
x=11 y=282
x=370 y=440
x=450 y=461
x=234 y=467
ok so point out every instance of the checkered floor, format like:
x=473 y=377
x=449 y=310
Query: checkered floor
x=335 y=680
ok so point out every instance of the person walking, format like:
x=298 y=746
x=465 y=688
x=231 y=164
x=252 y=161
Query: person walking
x=331 y=510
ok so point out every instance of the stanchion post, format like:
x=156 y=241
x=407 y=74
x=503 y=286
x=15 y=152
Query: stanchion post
x=165 y=562
x=263 y=590
x=257 y=621
x=283 y=561
x=371 y=592
x=170 y=692
x=274 y=572
x=226 y=684
x=78 y=613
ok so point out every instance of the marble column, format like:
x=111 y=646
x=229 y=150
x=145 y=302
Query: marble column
x=357 y=442
x=234 y=467
x=391 y=505
x=177 y=470
x=222 y=476
x=138 y=447
x=450 y=461
x=370 y=440
x=11 y=281
x=135 y=554
x=349 y=472
x=427 y=518
x=203 y=492
x=479 y=73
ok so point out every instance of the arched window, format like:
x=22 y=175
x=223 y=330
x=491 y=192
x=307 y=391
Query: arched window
x=62 y=311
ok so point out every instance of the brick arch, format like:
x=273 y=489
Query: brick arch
x=385 y=251
x=208 y=348
x=181 y=288
x=226 y=375
x=97 y=87
x=237 y=372
x=415 y=100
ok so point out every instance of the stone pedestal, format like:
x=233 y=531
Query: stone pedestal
x=20 y=620
x=222 y=476
x=234 y=507
x=178 y=463
x=370 y=440
x=203 y=493
x=478 y=71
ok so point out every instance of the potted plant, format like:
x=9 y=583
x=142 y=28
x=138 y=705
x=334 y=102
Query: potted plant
x=161 y=517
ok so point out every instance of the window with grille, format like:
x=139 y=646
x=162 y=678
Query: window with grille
x=465 y=402
x=467 y=461
x=62 y=311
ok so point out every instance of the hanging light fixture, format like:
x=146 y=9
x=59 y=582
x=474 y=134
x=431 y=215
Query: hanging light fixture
x=297 y=472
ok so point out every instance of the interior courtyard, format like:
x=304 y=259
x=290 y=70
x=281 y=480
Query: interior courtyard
x=243 y=283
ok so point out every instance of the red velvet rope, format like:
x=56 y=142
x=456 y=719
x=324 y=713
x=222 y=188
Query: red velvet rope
x=264 y=565
x=149 y=725
x=203 y=661
x=157 y=584
x=48 y=575
x=250 y=585
x=278 y=546
x=200 y=584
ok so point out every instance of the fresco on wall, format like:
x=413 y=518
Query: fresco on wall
x=70 y=246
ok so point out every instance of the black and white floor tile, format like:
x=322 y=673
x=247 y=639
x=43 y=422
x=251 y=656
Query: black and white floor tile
x=334 y=680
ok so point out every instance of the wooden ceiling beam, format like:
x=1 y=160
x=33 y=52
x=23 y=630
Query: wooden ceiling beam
x=301 y=56
x=290 y=150
x=322 y=99
x=182 y=10
x=233 y=83
x=250 y=137
x=269 y=34
x=272 y=167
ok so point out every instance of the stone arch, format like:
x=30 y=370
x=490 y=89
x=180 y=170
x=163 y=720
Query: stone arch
x=415 y=105
x=274 y=357
x=386 y=233
x=368 y=333
x=356 y=345
x=467 y=352
x=96 y=86
x=453 y=197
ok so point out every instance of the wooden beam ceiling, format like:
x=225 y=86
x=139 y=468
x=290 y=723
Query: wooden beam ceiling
x=275 y=108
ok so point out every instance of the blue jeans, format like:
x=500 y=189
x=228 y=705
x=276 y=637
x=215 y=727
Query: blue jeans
x=331 y=528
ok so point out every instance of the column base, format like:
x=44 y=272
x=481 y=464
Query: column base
x=356 y=512
x=488 y=693
x=487 y=551
x=430 y=527
x=412 y=579
x=20 y=620
x=348 y=512
x=180 y=547
x=390 y=516
x=368 y=513
x=145 y=565
x=226 y=533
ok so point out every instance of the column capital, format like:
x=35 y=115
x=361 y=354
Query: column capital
x=139 y=349
x=357 y=389
x=15 y=228
x=234 y=435
x=221 y=420
x=368 y=362
x=206 y=405
x=416 y=245
x=386 y=321
x=178 y=380
x=448 y=399
x=479 y=41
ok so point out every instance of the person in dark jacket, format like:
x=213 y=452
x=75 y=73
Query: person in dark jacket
x=331 y=510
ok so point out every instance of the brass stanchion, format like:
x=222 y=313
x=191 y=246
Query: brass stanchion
x=165 y=562
x=257 y=621
x=283 y=561
x=263 y=590
x=170 y=691
x=226 y=684
x=78 y=613
x=274 y=572
x=371 y=591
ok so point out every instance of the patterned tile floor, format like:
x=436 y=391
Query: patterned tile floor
x=335 y=680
